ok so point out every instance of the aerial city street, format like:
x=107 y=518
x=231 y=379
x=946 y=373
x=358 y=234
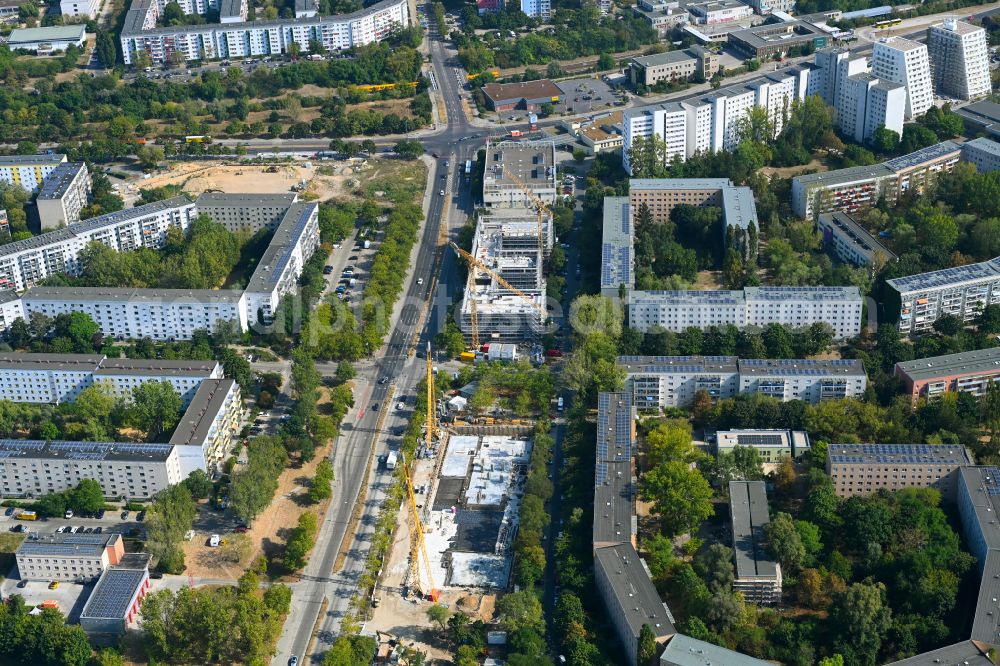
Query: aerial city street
x=339 y=333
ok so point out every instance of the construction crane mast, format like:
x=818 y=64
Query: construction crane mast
x=475 y=264
x=540 y=205
x=418 y=548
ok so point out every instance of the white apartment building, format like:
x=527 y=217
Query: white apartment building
x=83 y=8
x=26 y=262
x=867 y=103
x=11 y=308
x=657 y=382
x=58 y=378
x=63 y=195
x=277 y=274
x=131 y=314
x=983 y=152
x=539 y=8
x=754 y=306
x=617 y=258
x=68 y=556
x=238 y=212
x=851 y=242
x=28 y=171
x=905 y=62
x=32 y=468
x=207 y=430
x=960 y=59
x=258 y=38
x=962 y=291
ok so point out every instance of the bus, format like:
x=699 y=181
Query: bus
x=887 y=23
x=197 y=138
x=468 y=170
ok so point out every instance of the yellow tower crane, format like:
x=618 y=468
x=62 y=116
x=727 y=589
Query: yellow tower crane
x=475 y=264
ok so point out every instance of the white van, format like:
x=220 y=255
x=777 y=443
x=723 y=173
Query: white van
x=213 y=541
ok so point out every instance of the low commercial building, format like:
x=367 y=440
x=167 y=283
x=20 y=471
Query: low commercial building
x=758 y=576
x=840 y=307
x=528 y=96
x=982 y=152
x=32 y=468
x=851 y=242
x=659 y=382
x=63 y=195
x=82 y=8
x=115 y=601
x=29 y=171
x=513 y=167
x=772 y=445
x=662 y=16
x=768 y=40
x=66 y=556
x=861 y=469
x=674 y=66
x=47 y=40
x=239 y=212
x=715 y=12
x=617 y=260
x=967 y=372
x=960 y=291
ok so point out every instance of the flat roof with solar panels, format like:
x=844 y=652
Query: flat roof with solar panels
x=66 y=544
x=674 y=364
x=795 y=441
x=616 y=244
x=613 y=492
x=117 y=588
x=97 y=451
x=956 y=276
x=801 y=293
x=797 y=366
x=924 y=155
x=901 y=454
x=949 y=365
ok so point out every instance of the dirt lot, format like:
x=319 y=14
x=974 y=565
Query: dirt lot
x=708 y=280
x=266 y=536
x=196 y=178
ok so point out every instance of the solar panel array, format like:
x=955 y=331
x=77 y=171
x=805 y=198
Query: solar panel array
x=12 y=448
x=759 y=440
x=113 y=593
x=945 y=277
x=616 y=265
x=614 y=427
x=906 y=454
x=992 y=480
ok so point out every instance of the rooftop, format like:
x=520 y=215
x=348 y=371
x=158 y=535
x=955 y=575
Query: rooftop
x=246 y=200
x=630 y=583
x=29 y=160
x=802 y=293
x=278 y=253
x=960 y=27
x=663 y=58
x=616 y=245
x=683 y=650
x=533 y=164
x=691 y=364
x=786 y=367
x=924 y=155
x=855 y=233
x=198 y=418
x=115 y=590
x=67 y=545
x=54 y=33
x=748 y=510
x=948 y=277
x=794 y=440
x=982 y=144
x=769 y=33
x=679 y=183
x=963 y=363
x=31 y=449
x=32 y=361
x=843 y=176
x=690 y=297
x=132 y=294
x=966 y=653
x=543 y=88
x=57 y=182
x=898 y=454
x=899 y=44
x=158 y=366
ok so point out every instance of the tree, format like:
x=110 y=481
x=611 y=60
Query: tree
x=253 y=488
x=83 y=332
x=717 y=565
x=300 y=541
x=87 y=497
x=439 y=615
x=885 y=140
x=169 y=517
x=784 y=542
x=105 y=47
x=681 y=496
x=155 y=407
x=647 y=646
x=198 y=484
x=860 y=619
x=605 y=61
x=409 y=149
x=345 y=371
x=520 y=610
x=238 y=368
x=321 y=488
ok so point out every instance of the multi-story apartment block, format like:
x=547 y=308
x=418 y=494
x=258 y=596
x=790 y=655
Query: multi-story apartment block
x=758 y=576
x=867 y=103
x=968 y=372
x=905 y=62
x=858 y=188
x=960 y=59
x=851 y=242
x=28 y=171
x=538 y=8
x=772 y=445
x=11 y=308
x=59 y=378
x=131 y=314
x=754 y=306
x=673 y=381
x=983 y=152
x=617 y=258
x=278 y=271
x=861 y=469
x=238 y=212
x=512 y=167
x=32 y=468
x=82 y=8
x=257 y=38
x=207 y=430
x=739 y=212
x=63 y=195
x=961 y=291
x=67 y=556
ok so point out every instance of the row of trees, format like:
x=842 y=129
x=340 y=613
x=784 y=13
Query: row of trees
x=169 y=518
x=772 y=341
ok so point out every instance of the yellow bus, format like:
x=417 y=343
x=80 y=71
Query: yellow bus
x=27 y=515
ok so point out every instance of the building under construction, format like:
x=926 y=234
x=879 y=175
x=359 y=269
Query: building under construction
x=512 y=244
x=513 y=169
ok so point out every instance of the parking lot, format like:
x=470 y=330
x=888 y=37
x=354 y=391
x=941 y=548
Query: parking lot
x=111 y=522
x=69 y=597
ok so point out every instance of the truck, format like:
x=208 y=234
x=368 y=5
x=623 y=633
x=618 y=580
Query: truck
x=390 y=460
x=467 y=357
x=315 y=56
x=368 y=244
x=27 y=515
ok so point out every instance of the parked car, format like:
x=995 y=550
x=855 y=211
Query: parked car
x=124 y=515
x=156 y=574
x=9 y=511
x=100 y=514
x=141 y=516
x=54 y=585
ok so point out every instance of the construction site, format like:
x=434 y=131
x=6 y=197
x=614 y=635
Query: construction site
x=505 y=294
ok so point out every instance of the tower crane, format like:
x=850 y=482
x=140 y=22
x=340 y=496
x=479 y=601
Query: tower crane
x=540 y=205
x=475 y=264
